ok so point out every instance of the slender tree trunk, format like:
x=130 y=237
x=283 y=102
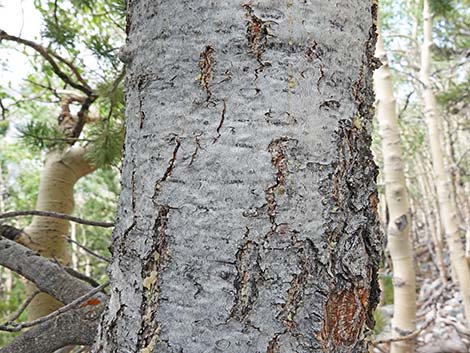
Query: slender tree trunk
x=48 y=235
x=75 y=248
x=247 y=218
x=398 y=230
x=432 y=219
x=448 y=211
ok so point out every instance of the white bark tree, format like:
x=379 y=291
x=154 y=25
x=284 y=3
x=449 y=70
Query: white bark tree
x=447 y=207
x=398 y=228
x=247 y=219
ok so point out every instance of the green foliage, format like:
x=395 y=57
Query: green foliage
x=387 y=289
x=458 y=93
x=380 y=322
x=3 y=127
x=105 y=149
x=40 y=135
x=9 y=303
x=104 y=186
x=441 y=7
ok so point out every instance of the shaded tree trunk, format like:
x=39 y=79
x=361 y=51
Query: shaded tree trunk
x=247 y=218
x=448 y=210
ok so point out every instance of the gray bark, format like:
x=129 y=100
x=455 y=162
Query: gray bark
x=247 y=219
x=48 y=276
x=76 y=325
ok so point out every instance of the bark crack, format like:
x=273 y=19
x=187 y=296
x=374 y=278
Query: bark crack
x=294 y=294
x=169 y=169
x=206 y=64
x=153 y=264
x=247 y=279
x=197 y=142
x=222 y=119
x=278 y=159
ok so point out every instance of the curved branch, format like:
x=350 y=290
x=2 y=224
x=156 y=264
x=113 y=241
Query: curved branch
x=56 y=215
x=47 y=54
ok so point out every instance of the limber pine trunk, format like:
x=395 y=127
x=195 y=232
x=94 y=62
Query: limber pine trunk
x=247 y=218
x=62 y=169
x=398 y=230
x=448 y=209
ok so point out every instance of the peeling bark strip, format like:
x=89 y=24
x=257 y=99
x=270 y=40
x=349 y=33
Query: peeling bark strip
x=271 y=238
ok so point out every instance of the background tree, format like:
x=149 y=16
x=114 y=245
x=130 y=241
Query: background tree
x=74 y=66
x=399 y=223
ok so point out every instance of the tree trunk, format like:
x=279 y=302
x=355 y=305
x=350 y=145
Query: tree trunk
x=448 y=211
x=398 y=229
x=247 y=219
x=48 y=235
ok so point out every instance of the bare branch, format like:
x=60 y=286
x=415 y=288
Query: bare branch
x=91 y=252
x=13 y=327
x=81 y=276
x=46 y=275
x=47 y=54
x=410 y=336
x=56 y=215
x=22 y=308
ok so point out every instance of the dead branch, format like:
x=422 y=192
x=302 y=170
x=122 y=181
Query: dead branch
x=56 y=215
x=47 y=54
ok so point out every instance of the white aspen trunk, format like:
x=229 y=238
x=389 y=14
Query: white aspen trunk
x=432 y=219
x=247 y=220
x=48 y=235
x=448 y=211
x=398 y=230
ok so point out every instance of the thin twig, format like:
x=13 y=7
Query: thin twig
x=406 y=337
x=91 y=252
x=81 y=276
x=61 y=310
x=56 y=215
x=47 y=54
x=376 y=346
x=22 y=308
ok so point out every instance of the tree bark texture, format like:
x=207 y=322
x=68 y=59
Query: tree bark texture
x=247 y=218
x=398 y=229
x=448 y=209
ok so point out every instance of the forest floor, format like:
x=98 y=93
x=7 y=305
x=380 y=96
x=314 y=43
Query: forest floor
x=441 y=326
